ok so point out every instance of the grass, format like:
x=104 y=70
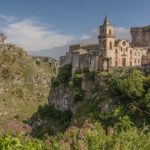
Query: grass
x=24 y=85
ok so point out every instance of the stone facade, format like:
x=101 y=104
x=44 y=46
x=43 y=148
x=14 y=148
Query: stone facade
x=140 y=36
x=109 y=52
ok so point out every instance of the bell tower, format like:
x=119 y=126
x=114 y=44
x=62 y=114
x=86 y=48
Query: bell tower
x=106 y=39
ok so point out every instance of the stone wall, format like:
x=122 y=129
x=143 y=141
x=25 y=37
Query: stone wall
x=140 y=36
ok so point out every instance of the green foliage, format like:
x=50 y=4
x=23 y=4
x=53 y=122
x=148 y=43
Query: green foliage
x=91 y=136
x=89 y=75
x=77 y=80
x=78 y=95
x=129 y=84
x=23 y=85
x=51 y=121
x=50 y=111
x=54 y=82
x=64 y=74
x=20 y=142
x=94 y=137
x=147 y=83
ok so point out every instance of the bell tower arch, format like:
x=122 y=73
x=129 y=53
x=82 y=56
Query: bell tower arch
x=106 y=38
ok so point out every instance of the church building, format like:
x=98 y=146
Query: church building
x=108 y=53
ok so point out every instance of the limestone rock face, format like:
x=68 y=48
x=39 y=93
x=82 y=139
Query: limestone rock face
x=62 y=97
x=106 y=106
x=24 y=82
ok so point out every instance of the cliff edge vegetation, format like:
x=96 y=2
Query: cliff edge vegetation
x=24 y=85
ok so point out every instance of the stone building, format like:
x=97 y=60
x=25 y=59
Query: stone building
x=109 y=52
x=140 y=36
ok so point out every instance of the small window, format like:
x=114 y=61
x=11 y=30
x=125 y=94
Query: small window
x=116 y=63
x=135 y=61
x=130 y=63
x=110 y=31
x=110 y=45
x=131 y=53
x=116 y=53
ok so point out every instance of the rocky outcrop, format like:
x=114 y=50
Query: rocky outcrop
x=24 y=82
x=62 y=96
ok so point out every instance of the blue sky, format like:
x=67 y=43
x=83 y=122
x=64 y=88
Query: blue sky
x=47 y=24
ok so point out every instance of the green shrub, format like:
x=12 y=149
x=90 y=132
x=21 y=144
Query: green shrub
x=147 y=82
x=78 y=95
x=129 y=84
x=51 y=121
x=16 y=116
x=93 y=137
x=64 y=73
x=77 y=79
x=54 y=82
x=21 y=142
x=90 y=75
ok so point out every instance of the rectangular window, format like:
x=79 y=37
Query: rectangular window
x=123 y=61
x=130 y=63
x=116 y=63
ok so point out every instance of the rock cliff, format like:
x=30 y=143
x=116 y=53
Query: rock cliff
x=24 y=83
x=80 y=88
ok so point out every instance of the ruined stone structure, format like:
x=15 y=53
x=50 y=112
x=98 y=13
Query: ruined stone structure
x=140 y=36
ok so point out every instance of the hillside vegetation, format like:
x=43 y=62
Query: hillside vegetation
x=24 y=85
x=89 y=111
x=111 y=111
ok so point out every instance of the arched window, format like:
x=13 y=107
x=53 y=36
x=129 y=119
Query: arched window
x=110 y=31
x=110 y=45
x=116 y=63
x=103 y=44
x=116 y=53
x=130 y=53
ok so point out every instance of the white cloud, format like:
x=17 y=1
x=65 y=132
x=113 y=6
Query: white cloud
x=7 y=18
x=33 y=36
x=123 y=33
x=84 y=37
x=120 y=33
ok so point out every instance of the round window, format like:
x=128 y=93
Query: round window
x=124 y=43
